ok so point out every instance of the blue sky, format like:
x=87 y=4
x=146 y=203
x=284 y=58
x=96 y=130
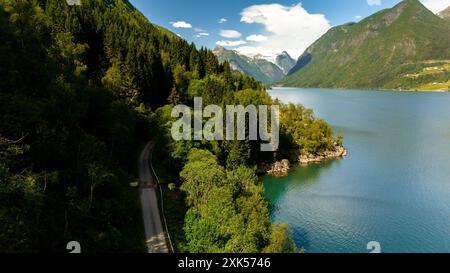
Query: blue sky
x=260 y=26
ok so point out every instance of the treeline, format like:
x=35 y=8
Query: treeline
x=81 y=88
x=138 y=61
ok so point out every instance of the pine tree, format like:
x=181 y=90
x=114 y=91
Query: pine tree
x=174 y=97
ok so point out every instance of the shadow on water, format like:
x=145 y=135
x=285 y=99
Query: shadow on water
x=302 y=238
x=346 y=130
x=299 y=177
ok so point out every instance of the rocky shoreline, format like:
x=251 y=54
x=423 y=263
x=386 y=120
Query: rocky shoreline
x=339 y=152
x=281 y=168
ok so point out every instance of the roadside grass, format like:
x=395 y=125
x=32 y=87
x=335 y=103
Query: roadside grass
x=136 y=232
x=175 y=210
x=174 y=207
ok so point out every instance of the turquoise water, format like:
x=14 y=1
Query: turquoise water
x=394 y=186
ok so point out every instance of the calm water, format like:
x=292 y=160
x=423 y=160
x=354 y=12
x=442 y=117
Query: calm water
x=394 y=187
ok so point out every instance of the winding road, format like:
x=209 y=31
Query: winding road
x=154 y=233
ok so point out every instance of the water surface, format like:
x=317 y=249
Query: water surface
x=394 y=187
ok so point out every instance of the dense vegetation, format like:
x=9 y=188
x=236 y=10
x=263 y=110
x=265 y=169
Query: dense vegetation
x=81 y=88
x=226 y=208
x=229 y=212
x=405 y=48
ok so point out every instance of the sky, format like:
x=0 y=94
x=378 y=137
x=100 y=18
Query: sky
x=261 y=27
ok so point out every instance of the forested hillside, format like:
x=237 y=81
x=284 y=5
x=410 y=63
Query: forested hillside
x=81 y=89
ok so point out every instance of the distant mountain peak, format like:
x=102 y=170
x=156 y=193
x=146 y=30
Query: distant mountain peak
x=258 y=56
x=219 y=48
x=396 y=48
x=445 y=14
x=415 y=3
x=285 y=62
x=256 y=66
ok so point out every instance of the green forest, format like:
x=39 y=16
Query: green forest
x=82 y=88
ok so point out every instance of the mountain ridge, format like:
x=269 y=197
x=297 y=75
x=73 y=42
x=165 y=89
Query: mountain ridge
x=256 y=67
x=398 y=48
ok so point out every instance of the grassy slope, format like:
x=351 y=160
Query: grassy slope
x=380 y=52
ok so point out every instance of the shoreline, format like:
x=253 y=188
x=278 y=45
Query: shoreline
x=339 y=152
x=281 y=168
x=362 y=90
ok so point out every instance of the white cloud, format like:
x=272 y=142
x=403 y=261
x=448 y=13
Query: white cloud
x=289 y=28
x=222 y=20
x=436 y=5
x=374 y=2
x=230 y=34
x=252 y=51
x=231 y=43
x=202 y=34
x=181 y=24
x=257 y=38
x=357 y=17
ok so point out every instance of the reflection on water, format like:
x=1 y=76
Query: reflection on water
x=299 y=177
x=394 y=186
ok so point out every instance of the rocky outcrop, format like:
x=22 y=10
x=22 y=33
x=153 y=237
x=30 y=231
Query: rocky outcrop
x=279 y=168
x=338 y=152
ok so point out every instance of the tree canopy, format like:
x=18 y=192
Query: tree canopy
x=81 y=88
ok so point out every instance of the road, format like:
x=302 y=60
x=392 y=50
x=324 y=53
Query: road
x=154 y=233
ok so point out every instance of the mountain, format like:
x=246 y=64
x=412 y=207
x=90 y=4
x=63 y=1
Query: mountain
x=285 y=62
x=445 y=14
x=256 y=67
x=405 y=47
